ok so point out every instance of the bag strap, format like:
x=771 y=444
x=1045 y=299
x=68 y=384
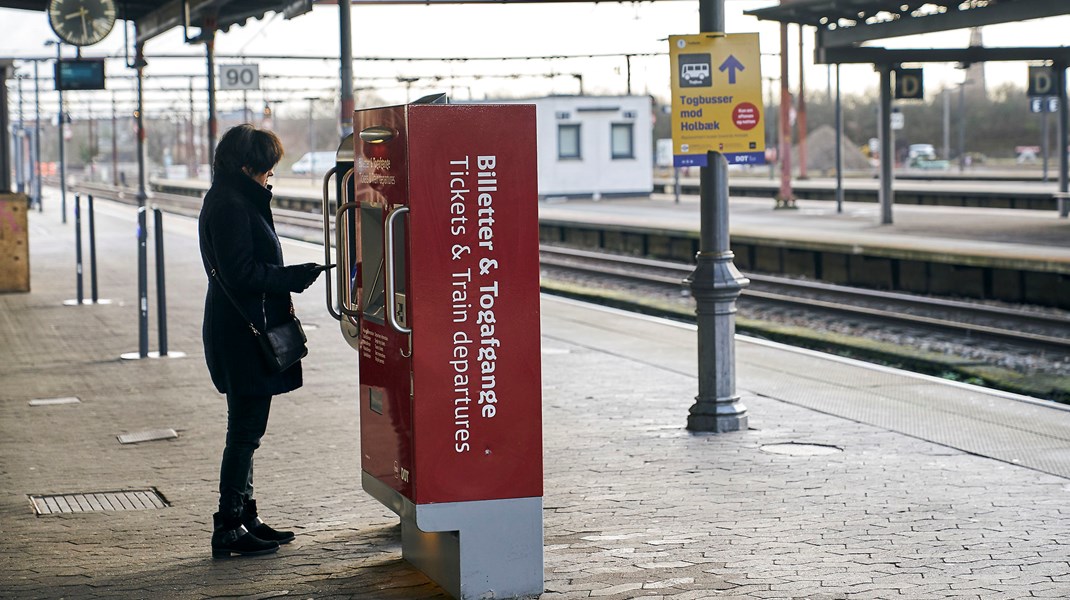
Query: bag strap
x=219 y=280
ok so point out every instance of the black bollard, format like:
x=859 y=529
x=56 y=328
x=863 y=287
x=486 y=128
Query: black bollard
x=78 y=245
x=142 y=286
x=161 y=295
x=92 y=252
x=143 y=292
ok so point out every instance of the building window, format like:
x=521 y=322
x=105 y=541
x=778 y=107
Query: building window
x=621 y=140
x=568 y=141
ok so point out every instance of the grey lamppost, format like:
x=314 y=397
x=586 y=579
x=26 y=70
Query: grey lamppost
x=716 y=285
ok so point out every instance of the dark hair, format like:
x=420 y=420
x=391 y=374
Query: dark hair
x=244 y=146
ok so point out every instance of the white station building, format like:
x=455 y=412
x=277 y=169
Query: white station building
x=594 y=146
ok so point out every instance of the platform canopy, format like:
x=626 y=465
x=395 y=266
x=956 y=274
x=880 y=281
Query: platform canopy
x=849 y=22
x=155 y=18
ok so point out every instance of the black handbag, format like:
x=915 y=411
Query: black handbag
x=282 y=345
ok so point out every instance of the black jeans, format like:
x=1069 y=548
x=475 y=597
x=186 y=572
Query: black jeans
x=247 y=418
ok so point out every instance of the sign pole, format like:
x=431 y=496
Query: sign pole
x=716 y=285
x=142 y=196
x=1044 y=143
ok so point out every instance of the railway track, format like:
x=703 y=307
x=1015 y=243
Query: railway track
x=972 y=321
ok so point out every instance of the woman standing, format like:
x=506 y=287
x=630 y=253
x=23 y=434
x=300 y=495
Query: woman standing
x=246 y=280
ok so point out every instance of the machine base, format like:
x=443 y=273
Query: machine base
x=478 y=550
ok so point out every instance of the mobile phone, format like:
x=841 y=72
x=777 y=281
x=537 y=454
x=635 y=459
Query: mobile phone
x=322 y=268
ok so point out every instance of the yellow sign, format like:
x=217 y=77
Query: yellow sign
x=716 y=98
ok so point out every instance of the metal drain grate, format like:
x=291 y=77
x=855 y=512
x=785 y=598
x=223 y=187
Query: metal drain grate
x=147 y=436
x=98 y=501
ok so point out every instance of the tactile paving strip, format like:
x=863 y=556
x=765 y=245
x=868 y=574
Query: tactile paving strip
x=98 y=501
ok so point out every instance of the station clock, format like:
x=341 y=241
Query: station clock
x=82 y=22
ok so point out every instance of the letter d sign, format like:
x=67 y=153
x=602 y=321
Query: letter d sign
x=908 y=84
x=1041 y=81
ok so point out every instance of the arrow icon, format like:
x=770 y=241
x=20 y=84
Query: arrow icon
x=731 y=64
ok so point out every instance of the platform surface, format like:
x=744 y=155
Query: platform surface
x=1024 y=235
x=853 y=481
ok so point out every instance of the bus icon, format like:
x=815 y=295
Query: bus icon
x=692 y=73
x=695 y=70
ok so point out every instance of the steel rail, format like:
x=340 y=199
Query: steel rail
x=632 y=268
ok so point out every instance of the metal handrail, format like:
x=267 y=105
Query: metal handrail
x=327 y=238
x=388 y=241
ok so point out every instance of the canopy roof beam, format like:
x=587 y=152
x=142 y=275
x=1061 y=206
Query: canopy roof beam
x=952 y=19
x=975 y=54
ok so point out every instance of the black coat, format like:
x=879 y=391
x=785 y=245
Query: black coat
x=237 y=237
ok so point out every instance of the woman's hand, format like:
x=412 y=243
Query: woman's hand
x=304 y=275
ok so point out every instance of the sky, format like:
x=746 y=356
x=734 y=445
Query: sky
x=489 y=31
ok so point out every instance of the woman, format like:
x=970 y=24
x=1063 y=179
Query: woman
x=238 y=241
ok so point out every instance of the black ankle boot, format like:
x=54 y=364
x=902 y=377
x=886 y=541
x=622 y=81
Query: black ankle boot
x=260 y=529
x=231 y=537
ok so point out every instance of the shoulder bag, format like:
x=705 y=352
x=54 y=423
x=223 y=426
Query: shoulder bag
x=282 y=345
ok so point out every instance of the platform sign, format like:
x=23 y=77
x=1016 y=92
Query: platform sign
x=909 y=84
x=239 y=77
x=1043 y=104
x=716 y=98
x=80 y=74
x=1041 y=82
x=898 y=120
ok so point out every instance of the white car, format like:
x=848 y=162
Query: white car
x=921 y=152
x=314 y=162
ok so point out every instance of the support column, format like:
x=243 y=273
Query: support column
x=5 y=145
x=37 y=138
x=345 y=20
x=20 y=145
x=715 y=285
x=1060 y=84
x=947 y=123
x=801 y=118
x=209 y=51
x=887 y=158
x=1061 y=140
x=191 y=132
x=962 y=125
x=785 y=197
x=839 y=144
x=62 y=121
x=114 y=141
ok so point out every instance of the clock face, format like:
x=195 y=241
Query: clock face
x=81 y=22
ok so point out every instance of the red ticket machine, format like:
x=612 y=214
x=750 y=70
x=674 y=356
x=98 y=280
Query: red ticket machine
x=436 y=238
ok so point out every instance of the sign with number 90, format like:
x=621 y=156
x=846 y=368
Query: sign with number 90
x=239 y=77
